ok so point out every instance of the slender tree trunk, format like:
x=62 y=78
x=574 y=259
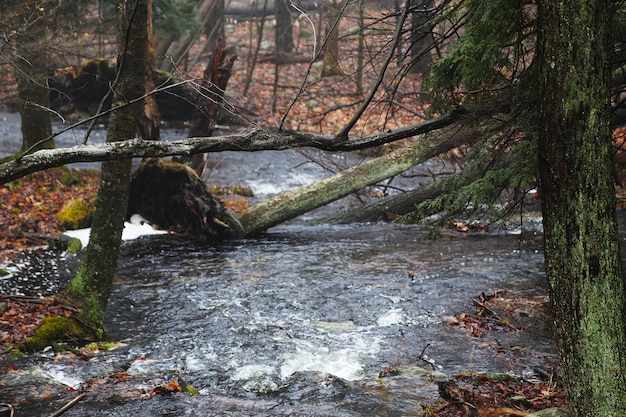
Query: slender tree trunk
x=252 y=58
x=210 y=99
x=31 y=68
x=421 y=37
x=284 y=27
x=92 y=285
x=360 y=48
x=213 y=22
x=331 y=49
x=577 y=187
x=150 y=122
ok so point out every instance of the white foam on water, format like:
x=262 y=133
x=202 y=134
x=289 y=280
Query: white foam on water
x=391 y=317
x=252 y=372
x=61 y=374
x=294 y=180
x=344 y=362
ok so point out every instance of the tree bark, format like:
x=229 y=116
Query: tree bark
x=150 y=121
x=578 y=197
x=92 y=285
x=331 y=48
x=31 y=65
x=284 y=27
x=421 y=36
x=210 y=99
x=213 y=22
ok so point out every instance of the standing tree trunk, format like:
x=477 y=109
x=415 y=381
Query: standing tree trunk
x=91 y=287
x=577 y=187
x=421 y=37
x=150 y=122
x=331 y=48
x=210 y=99
x=284 y=28
x=31 y=66
x=213 y=12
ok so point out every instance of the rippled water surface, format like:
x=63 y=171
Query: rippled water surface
x=306 y=317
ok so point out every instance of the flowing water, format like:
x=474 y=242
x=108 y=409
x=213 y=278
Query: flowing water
x=300 y=321
x=303 y=319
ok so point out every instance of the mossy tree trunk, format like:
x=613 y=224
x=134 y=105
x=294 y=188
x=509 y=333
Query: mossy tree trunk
x=577 y=186
x=269 y=213
x=92 y=285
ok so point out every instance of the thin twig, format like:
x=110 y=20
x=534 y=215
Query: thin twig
x=10 y=407
x=68 y=406
x=346 y=129
x=421 y=357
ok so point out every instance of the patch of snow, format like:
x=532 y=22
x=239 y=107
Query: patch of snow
x=58 y=373
x=132 y=230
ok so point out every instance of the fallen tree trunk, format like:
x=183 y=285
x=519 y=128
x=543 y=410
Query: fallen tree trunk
x=249 y=141
x=287 y=206
x=390 y=207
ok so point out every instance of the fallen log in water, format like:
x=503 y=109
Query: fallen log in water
x=287 y=206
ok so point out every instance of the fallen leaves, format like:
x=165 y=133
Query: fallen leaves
x=502 y=310
x=28 y=206
x=491 y=395
x=20 y=319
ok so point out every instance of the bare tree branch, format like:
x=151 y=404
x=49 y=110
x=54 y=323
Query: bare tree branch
x=249 y=141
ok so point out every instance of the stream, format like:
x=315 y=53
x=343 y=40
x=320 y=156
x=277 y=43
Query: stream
x=298 y=322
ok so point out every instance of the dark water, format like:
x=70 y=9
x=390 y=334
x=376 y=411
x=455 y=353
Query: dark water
x=303 y=319
x=298 y=322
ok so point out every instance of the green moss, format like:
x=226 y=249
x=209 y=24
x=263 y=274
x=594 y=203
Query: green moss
x=54 y=329
x=91 y=306
x=76 y=214
x=75 y=245
x=70 y=177
x=488 y=375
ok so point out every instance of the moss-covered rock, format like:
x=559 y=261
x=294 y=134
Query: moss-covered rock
x=76 y=214
x=75 y=245
x=52 y=331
